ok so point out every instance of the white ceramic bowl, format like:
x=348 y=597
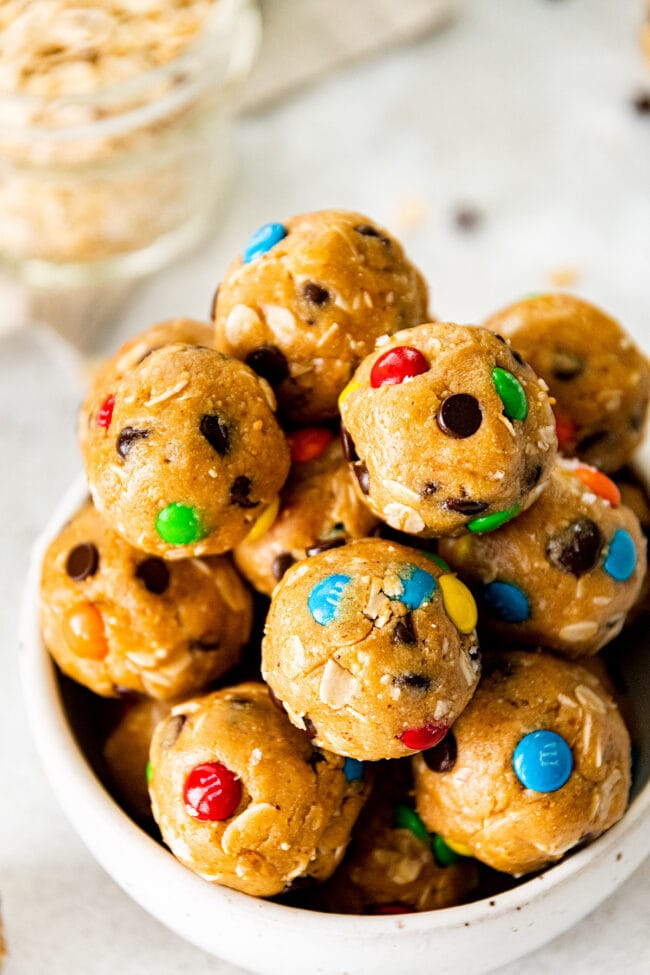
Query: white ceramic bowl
x=277 y=940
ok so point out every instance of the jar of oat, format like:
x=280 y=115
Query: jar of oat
x=115 y=146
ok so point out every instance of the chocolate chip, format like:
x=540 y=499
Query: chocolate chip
x=154 y=573
x=367 y=230
x=324 y=546
x=276 y=700
x=173 y=728
x=429 y=488
x=349 y=450
x=577 y=548
x=641 y=102
x=205 y=644
x=442 y=757
x=531 y=477
x=303 y=883
x=591 y=440
x=362 y=476
x=474 y=653
x=215 y=430
x=466 y=506
x=82 y=561
x=316 y=758
x=518 y=357
x=240 y=702
x=281 y=563
x=416 y=682
x=460 y=415
x=127 y=438
x=269 y=363
x=213 y=306
x=467 y=217
x=637 y=419
x=239 y=492
x=566 y=366
x=315 y=294
x=310 y=727
x=404 y=631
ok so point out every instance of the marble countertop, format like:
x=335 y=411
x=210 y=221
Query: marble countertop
x=520 y=112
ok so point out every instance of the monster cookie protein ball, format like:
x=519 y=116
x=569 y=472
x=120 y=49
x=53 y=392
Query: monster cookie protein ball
x=598 y=377
x=448 y=430
x=186 y=455
x=541 y=763
x=306 y=301
x=116 y=619
x=126 y=753
x=319 y=509
x=371 y=649
x=244 y=799
x=565 y=573
x=101 y=394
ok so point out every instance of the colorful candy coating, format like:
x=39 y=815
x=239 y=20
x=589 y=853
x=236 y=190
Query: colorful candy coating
x=507 y=602
x=427 y=736
x=407 y=818
x=325 y=597
x=389 y=909
x=309 y=443
x=353 y=769
x=263 y=240
x=105 y=412
x=566 y=431
x=511 y=393
x=621 y=559
x=599 y=484
x=442 y=851
x=543 y=761
x=396 y=365
x=84 y=632
x=265 y=520
x=459 y=603
x=211 y=792
x=149 y=772
x=345 y=392
x=488 y=523
x=434 y=557
x=419 y=586
x=179 y=524
x=459 y=848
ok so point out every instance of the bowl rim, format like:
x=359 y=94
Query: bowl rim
x=66 y=766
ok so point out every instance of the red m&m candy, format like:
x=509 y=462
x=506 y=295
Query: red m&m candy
x=105 y=412
x=309 y=443
x=396 y=365
x=566 y=431
x=427 y=736
x=212 y=792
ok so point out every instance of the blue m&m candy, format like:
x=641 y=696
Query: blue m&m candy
x=325 y=597
x=542 y=761
x=507 y=602
x=263 y=240
x=419 y=586
x=353 y=769
x=621 y=557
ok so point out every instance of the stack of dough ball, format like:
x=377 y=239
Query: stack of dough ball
x=371 y=649
x=131 y=354
x=116 y=619
x=565 y=573
x=319 y=509
x=126 y=753
x=448 y=430
x=598 y=377
x=541 y=764
x=243 y=798
x=391 y=866
x=186 y=454
x=306 y=301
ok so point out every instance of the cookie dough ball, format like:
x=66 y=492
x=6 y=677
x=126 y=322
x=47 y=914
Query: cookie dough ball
x=565 y=573
x=189 y=456
x=307 y=300
x=126 y=753
x=101 y=393
x=116 y=619
x=371 y=649
x=448 y=430
x=243 y=798
x=319 y=509
x=634 y=494
x=541 y=763
x=391 y=866
x=598 y=377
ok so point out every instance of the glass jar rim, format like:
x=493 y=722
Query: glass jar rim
x=207 y=59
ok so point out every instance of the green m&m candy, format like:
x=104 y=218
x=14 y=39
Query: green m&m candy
x=179 y=524
x=407 y=818
x=488 y=523
x=511 y=392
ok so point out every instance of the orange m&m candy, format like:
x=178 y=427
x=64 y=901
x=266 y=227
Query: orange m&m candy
x=599 y=484
x=84 y=632
x=309 y=443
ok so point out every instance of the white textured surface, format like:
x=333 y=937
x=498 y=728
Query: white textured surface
x=523 y=109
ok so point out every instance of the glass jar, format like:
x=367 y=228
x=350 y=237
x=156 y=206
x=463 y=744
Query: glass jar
x=117 y=181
